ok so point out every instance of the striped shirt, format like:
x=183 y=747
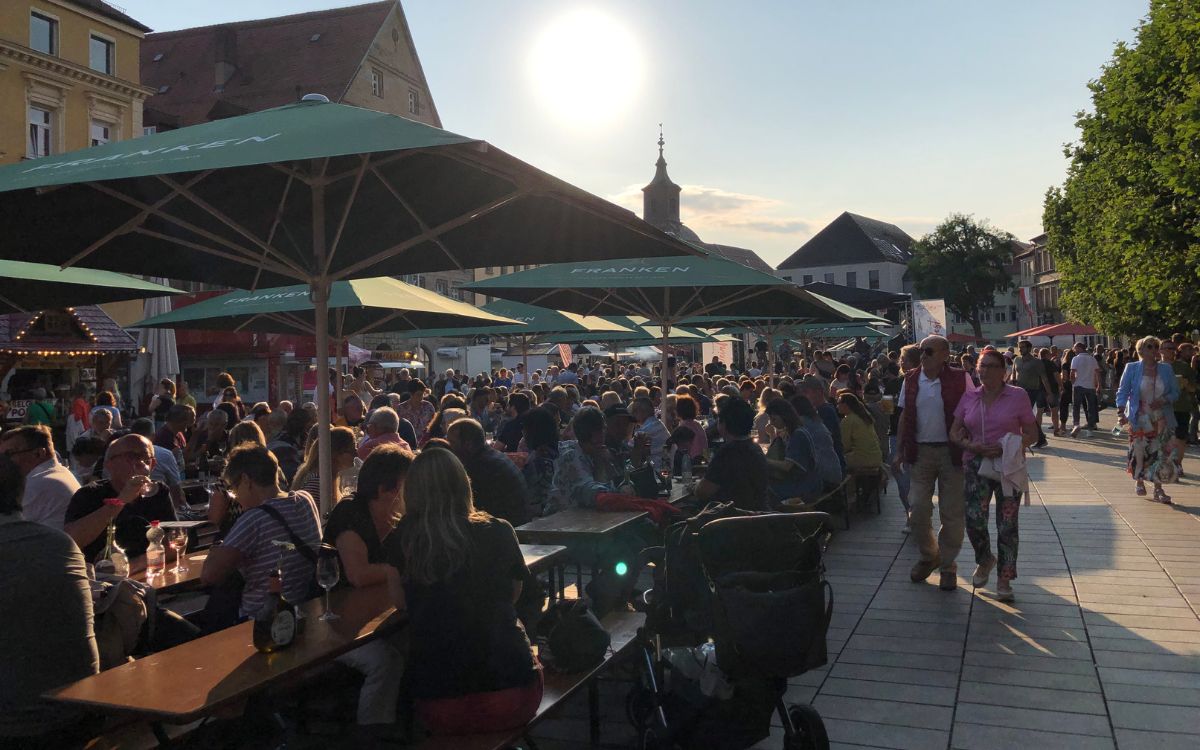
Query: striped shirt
x=253 y=534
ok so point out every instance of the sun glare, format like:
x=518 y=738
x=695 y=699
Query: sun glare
x=586 y=67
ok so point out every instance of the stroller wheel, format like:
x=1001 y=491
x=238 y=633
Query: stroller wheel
x=810 y=730
x=639 y=705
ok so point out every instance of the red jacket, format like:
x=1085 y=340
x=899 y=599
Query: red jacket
x=954 y=385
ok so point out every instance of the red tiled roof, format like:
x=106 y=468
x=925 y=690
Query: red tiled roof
x=276 y=62
x=109 y=337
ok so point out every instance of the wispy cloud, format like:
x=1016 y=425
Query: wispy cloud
x=715 y=210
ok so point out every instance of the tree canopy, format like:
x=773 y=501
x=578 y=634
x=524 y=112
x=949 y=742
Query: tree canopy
x=965 y=262
x=1124 y=228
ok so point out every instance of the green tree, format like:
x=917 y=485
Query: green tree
x=1124 y=228
x=965 y=262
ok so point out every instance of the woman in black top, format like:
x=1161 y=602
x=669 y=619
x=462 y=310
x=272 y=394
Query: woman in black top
x=358 y=525
x=458 y=572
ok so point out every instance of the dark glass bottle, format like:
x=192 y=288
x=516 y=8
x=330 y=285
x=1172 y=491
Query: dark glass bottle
x=275 y=621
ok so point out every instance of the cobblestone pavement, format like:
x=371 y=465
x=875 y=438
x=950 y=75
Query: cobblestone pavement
x=1100 y=650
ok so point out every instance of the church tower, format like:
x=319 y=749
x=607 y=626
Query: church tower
x=660 y=199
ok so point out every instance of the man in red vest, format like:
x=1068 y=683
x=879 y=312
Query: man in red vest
x=929 y=396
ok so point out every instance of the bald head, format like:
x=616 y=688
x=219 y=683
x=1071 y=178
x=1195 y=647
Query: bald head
x=935 y=350
x=128 y=456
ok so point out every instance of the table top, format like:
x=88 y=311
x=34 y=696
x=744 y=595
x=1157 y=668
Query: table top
x=576 y=522
x=171 y=582
x=538 y=557
x=197 y=678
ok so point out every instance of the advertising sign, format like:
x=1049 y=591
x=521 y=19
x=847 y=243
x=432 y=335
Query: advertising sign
x=929 y=318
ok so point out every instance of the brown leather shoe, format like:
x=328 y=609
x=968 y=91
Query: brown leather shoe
x=922 y=570
x=949 y=581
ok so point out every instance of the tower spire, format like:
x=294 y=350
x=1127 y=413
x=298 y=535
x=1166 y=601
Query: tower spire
x=661 y=142
x=660 y=201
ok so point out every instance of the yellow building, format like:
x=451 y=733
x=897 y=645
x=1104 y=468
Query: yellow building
x=69 y=76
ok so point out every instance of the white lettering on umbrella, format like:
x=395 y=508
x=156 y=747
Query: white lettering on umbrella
x=265 y=297
x=152 y=151
x=635 y=269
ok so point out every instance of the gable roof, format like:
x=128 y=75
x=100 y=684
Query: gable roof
x=851 y=239
x=101 y=8
x=275 y=60
x=95 y=332
x=740 y=255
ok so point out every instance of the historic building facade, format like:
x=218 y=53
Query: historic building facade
x=68 y=76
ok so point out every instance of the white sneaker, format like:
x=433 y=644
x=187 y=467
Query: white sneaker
x=1004 y=592
x=983 y=571
x=1075 y=431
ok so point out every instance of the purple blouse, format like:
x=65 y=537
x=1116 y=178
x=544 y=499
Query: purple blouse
x=987 y=424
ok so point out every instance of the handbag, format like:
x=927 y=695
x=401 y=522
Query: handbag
x=577 y=641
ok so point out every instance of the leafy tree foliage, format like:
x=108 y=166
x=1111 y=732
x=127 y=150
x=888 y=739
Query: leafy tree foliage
x=1124 y=229
x=964 y=262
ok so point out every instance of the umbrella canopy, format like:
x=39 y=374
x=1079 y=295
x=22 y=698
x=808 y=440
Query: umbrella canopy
x=314 y=193
x=531 y=320
x=158 y=357
x=1057 y=329
x=37 y=286
x=664 y=291
x=632 y=332
x=355 y=307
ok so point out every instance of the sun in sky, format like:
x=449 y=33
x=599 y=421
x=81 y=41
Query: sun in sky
x=586 y=67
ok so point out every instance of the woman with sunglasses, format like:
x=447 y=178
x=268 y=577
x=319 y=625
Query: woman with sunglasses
x=983 y=420
x=1147 y=388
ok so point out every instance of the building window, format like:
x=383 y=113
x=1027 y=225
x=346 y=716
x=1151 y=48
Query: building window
x=1012 y=313
x=43 y=33
x=808 y=278
x=41 y=133
x=100 y=54
x=489 y=270
x=100 y=133
x=376 y=83
x=442 y=287
x=852 y=278
x=873 y=279
x=414 y=102
x=829 y=279
x=149 y=130
x=1001 y=316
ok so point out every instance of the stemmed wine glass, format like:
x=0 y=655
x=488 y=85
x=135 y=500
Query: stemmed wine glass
x=328 y=575
x=178 y=539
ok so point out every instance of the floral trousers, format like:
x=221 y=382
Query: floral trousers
x=979 y=491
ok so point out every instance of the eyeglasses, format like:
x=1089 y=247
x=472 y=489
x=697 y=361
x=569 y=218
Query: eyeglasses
x=929 y=351
x=139 y=455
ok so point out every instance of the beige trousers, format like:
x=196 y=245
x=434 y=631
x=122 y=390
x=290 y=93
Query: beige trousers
x=934 y=466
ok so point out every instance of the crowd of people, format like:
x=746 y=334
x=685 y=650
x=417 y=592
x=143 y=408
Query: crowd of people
x=432 y=479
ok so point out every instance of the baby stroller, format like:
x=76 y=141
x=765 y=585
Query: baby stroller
x=715 y=668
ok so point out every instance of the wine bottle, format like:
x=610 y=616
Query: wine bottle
x=275 y=620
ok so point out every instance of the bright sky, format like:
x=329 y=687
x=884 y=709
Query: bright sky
x=778 y=114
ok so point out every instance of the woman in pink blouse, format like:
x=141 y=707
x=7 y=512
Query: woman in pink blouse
x=687 y=409
x=984 y=416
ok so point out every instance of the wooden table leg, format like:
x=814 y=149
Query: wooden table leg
x=594 y=711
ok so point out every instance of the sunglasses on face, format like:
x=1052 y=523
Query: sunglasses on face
x=1150 y=346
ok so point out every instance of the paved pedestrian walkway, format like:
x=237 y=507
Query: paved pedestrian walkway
x=1100 y=650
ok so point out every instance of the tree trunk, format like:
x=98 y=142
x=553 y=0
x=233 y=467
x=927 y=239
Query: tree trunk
x=977 y=327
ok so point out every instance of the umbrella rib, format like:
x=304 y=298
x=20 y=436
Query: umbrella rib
x=412 y=212
x=382 y=321
x=337 y=236
x=222 y=217
x=12 y=304
x=275 y=224
x=295 y=174
x=283 y=270
x=432 y=233
x=247 y=256
x=128 y=226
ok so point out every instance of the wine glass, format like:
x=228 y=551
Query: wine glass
x=328 y=575
x=178 y=539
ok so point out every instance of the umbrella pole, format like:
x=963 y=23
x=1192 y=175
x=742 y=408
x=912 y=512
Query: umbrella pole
x=320 y=298
x=666 y=382
x=525 y=358
x=340 y=383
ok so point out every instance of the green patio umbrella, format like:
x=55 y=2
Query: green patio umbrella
x=534 y=322
x=312 y=193
x=37 y=286
x=665 y=291
x=356 y=307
